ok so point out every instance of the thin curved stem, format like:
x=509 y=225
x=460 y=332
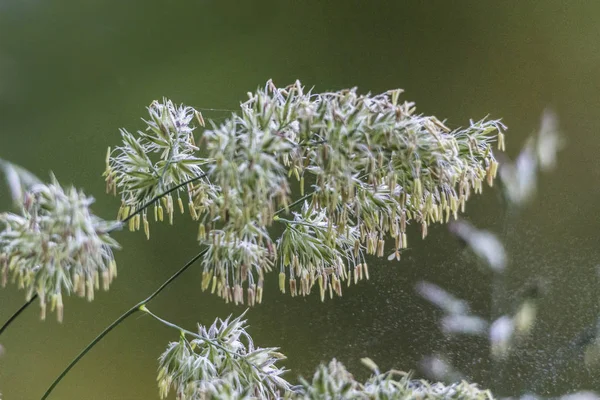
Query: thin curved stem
x=98 y=338
x=290 y=222
x=185 y=331
x=158 y=197
x=119 y=320
x=114 y=228
x=17 y=313
x=295 y=203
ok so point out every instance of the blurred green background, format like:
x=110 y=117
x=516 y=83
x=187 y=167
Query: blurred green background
x=72 y=73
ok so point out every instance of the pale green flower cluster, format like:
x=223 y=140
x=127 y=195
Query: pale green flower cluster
x=161 y=157
x=373 y=164
x=355 y=143
x=314 y=250
x=196 y=377
x=56 y=246
x=234 y=259
x=220 y=362
x=333 y=381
